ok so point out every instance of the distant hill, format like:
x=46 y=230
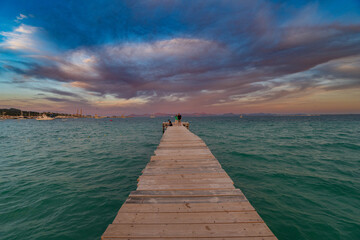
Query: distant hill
x=229 y=115
x=17 y=112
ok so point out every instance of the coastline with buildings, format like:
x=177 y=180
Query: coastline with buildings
x=13 y=113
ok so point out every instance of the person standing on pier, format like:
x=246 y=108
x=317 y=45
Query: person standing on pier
x=179 y=118
x=176 y=120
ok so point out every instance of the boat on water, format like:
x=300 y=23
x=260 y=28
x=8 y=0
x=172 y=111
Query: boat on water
x=44 y=117
x=61 y=117
x=21 y=117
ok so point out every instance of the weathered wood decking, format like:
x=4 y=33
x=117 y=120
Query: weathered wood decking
x=184 y=193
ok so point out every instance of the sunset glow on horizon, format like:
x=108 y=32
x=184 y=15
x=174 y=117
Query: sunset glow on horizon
x=123 y=57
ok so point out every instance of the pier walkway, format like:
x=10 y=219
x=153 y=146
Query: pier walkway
x=184 y=193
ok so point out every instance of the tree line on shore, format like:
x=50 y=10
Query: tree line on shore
x=18 y=112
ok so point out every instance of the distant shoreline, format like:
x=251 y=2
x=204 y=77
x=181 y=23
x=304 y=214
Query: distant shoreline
x=13 y=113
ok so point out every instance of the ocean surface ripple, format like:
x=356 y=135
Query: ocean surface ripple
x=67 y=179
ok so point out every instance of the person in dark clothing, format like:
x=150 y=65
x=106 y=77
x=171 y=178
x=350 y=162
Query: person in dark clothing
x=170 y=123
x=179 y=118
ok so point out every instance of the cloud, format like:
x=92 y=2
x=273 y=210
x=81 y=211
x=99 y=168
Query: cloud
x=116 y=103
x=214 y=54
x=20 y=17
x=127 y=70
x=22 y=38
x=53 y=99
x=58 y=92
x=176 y=47
x=343 y=73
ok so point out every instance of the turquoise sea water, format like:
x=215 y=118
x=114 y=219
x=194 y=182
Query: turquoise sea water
x=67 y=180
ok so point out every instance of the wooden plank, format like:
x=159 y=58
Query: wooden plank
x=183 y=168
x=209 y=199
x=187 y=142
x=166 y=166
x=183 y=186
x=179 y=166
x=188 y=165
x=189 y=168
x=187 y=176
x=186 y=161
x=179 y=171
x=184 y=157
x=181 y=152
x=189 y=207
x=171 y=218
x=190 y=182
x=176 y=238
x=150 y=181
x=193 y=193
x=182 y=163
x=180 y=138
x=188 y=230
x=182 y=148
x=183 y=144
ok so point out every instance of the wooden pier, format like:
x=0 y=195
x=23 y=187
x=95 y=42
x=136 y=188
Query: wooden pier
x=184 y=193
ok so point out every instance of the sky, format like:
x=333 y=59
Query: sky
x=122 y=57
